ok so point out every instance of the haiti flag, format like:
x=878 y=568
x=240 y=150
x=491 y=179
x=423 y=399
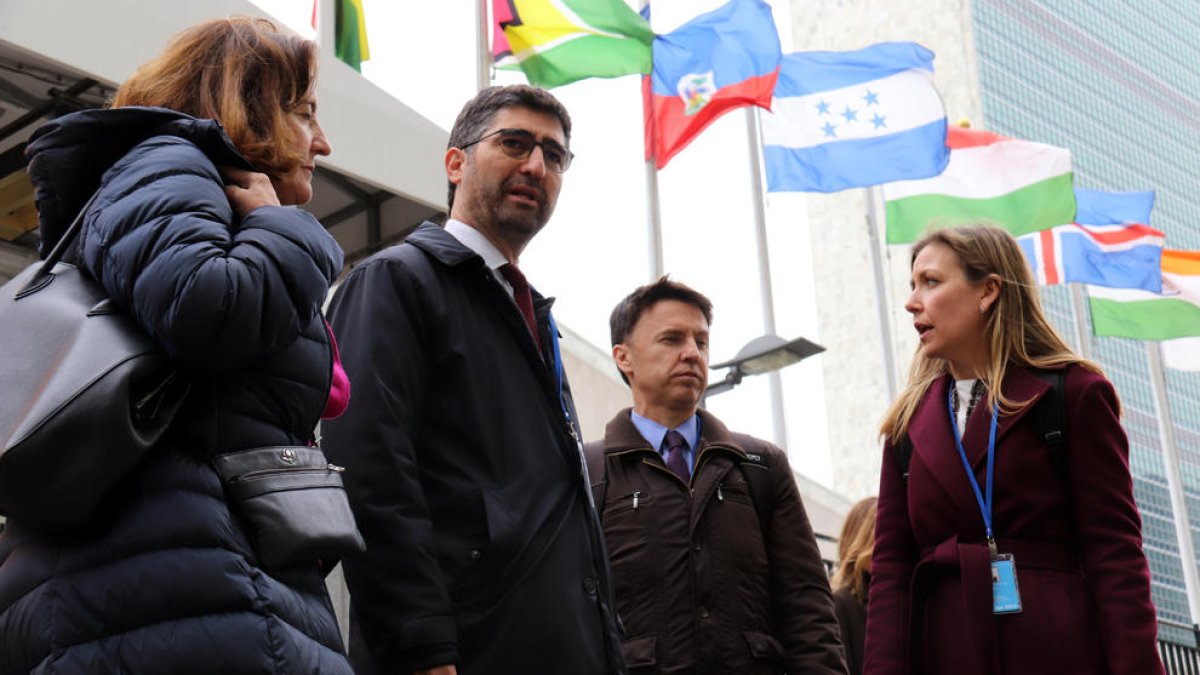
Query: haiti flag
x=726 y=59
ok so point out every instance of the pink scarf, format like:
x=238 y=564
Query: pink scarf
x=339 y=390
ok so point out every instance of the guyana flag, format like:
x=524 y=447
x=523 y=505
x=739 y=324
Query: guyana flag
x=556 y=42
x=350 y=33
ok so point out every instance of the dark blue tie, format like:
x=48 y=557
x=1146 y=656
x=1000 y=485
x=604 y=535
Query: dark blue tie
x=676 y=462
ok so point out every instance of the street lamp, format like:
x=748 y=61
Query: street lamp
x=762 y=355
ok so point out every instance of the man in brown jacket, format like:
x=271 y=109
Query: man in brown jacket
x=716 y=567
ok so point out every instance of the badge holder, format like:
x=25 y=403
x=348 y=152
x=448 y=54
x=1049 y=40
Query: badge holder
x=1006 y=595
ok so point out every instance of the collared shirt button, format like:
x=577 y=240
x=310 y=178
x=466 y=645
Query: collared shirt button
x=476 y=554
x=703 y=612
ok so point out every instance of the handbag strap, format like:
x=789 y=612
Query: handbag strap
x=64 y=243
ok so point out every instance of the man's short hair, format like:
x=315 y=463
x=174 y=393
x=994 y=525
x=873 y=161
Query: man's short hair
x=479 y=112
x=627 y=312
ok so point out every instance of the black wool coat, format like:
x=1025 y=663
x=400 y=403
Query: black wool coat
x=483 y=548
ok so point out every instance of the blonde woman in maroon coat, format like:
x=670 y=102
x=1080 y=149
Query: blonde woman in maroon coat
x=1061 y=521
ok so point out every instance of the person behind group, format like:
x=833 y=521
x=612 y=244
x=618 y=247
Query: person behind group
x=717 y=570
x=483 y=550
x=189 y=233
x=853 y=578
x=1059 y=511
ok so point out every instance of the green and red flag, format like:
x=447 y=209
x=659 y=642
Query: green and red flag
x=1019 y=185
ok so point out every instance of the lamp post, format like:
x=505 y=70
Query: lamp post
x=761 y=355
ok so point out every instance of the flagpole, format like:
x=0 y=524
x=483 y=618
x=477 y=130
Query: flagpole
x=1083 y=345
x=654 y=233
x=1183 y=529
x=881 y=304
x=483 y=68
x=653 y=221
x=764 y=268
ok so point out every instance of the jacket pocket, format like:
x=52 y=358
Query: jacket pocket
x=763 y=647
x=640 y=652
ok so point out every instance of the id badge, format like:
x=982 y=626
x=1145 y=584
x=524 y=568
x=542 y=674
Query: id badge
x=1006 y=597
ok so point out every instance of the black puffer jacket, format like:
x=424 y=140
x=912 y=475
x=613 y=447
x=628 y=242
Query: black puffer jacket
x=165 y=581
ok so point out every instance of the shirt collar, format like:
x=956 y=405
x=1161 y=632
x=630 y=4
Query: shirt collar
x=654 y=432
x=473 y=239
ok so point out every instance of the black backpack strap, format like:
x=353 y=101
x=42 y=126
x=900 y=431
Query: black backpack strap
x=756 y=468
x=593 y=452
x=1050 y=418
x=904 y=453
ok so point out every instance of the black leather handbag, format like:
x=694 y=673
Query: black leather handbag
x=84 y=392
x=293 y=504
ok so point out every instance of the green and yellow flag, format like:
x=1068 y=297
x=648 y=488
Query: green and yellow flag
x=350 y=34
x=556 y=42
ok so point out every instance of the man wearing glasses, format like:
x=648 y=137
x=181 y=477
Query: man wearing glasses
x=460 y=444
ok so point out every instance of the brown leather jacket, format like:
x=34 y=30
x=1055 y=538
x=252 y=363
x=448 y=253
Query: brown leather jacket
x=704 y=587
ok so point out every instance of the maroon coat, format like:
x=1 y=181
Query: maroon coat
x=1082 y=574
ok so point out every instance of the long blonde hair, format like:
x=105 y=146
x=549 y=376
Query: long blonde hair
x=855 y=547
x=1017 y=331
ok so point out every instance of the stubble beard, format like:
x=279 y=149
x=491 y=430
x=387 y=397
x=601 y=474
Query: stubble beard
x=511 y=221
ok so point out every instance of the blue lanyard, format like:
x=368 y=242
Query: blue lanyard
x=985 y=504
x=558 y=371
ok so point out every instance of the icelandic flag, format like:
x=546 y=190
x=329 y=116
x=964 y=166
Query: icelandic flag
x=717 y=62
x=1116 y=256
x=851 y=119
x=1113 y=249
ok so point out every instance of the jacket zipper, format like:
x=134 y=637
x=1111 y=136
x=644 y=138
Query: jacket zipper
x=328 y=468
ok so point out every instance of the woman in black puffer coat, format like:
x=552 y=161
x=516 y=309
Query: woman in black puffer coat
x=190 y=233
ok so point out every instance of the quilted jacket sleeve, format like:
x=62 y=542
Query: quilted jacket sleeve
x=215 y=294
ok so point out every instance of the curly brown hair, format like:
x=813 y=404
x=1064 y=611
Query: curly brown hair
x=241 y=71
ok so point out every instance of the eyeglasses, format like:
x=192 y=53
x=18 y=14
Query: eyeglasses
x=519 y=144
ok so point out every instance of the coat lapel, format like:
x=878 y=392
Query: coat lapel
x=1020 y=385
x=934 y=450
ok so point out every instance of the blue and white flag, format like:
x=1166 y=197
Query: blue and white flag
x=1097 y=207
x=850 y=119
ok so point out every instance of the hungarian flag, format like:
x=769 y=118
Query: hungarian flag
x=556 y=42
x=350 y=33
x=1019 y=185
x=720 y=61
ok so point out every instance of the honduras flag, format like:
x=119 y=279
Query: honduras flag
x=851 y=119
